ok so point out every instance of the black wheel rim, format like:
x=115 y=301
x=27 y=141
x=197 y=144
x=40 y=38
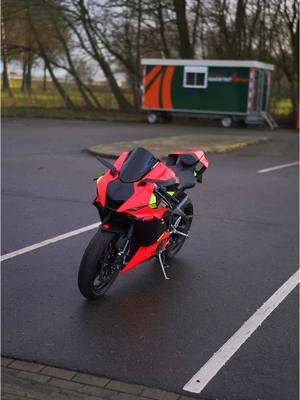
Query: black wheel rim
x=105 y=271
x=176 y=241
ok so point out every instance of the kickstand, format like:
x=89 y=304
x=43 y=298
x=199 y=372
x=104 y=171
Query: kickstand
x=163 y=265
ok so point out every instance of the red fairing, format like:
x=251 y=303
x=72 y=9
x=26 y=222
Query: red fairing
x=204 y=160
x=164 y=238
x=102 y=186
x=140 y=198
x=161 y=172
x=120 y=160
x=146 y=213
x=138 y=204
x=108 y=177
x=142 y=254
x=146 y=252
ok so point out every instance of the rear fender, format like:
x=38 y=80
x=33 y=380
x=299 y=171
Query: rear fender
x=172 y=157
x=201 y=165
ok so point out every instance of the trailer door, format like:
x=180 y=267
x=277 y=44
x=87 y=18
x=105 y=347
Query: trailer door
x=260 y=95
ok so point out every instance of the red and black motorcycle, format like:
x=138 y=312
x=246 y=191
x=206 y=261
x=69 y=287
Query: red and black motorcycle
x=145 y=213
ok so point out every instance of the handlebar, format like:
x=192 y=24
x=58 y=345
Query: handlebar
x=162 y=192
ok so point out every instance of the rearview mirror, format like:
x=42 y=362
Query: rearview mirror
x=108 y=165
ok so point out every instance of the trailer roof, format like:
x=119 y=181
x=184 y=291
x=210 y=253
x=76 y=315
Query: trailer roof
x=208 y=63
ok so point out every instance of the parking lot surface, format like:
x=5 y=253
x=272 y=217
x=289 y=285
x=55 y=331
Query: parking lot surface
x=148 y=331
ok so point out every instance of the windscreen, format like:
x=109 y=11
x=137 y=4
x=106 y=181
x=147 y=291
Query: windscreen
x=138 y=163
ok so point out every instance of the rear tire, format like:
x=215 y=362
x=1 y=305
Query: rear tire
x=96 y=274
x=177 y=241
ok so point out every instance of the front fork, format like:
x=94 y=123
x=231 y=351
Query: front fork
x=122 y=246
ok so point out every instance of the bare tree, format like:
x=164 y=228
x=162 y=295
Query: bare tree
x=286 y=48
x=116 y=34
x=55 y=15
x=33 y=22
x=4 y=53
x=85 y=29
x=185 y=47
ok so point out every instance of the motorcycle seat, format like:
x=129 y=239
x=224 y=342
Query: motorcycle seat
x=184 y=170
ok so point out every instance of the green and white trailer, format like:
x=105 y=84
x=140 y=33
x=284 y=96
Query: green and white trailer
x=230 y=90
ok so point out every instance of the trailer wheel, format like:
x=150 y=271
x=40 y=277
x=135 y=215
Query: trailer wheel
x=153 y=118
x=226 y=122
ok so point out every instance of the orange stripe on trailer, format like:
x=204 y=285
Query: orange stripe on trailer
x=166 y=89
x=151 y=99
x=151 y=75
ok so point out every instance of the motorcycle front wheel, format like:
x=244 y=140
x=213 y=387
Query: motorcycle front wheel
x=96 y=272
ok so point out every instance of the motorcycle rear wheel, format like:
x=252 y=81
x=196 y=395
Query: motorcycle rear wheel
x=177 y=241
x=96 y=273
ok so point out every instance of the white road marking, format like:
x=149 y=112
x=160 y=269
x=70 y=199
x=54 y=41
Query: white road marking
x=262 y=171
x=198 y=382
x=49 y=241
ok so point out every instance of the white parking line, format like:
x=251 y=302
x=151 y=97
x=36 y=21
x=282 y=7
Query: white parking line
x=262 y=171
x=218 y=360
x=49 y=241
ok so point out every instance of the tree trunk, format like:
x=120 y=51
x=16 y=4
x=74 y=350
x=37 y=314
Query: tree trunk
x=5 y=77
x=135 y=90
x=73 y=71
x=45 y=78
x=123 y=103
x=195 y=25
x=239 y=29
x=28 y=73
x=92 y=95
x=161 y=27
x=67 y=101
x=185 y=48
x=24 y=71
x=5 y=73
x=64 y=94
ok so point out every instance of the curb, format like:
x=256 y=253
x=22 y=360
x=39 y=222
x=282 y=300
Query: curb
x=161 y=147
x=22 y=380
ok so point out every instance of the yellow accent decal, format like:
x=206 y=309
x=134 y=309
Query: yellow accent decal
x=99 y=179
x=152 y=202
x=171 y=193
x=195 y=171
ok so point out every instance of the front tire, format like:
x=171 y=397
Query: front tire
x=96 y=272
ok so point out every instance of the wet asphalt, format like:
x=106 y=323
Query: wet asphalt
x=243 y=247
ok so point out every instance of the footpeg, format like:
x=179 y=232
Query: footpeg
x=163 y=265
x=174 y=230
